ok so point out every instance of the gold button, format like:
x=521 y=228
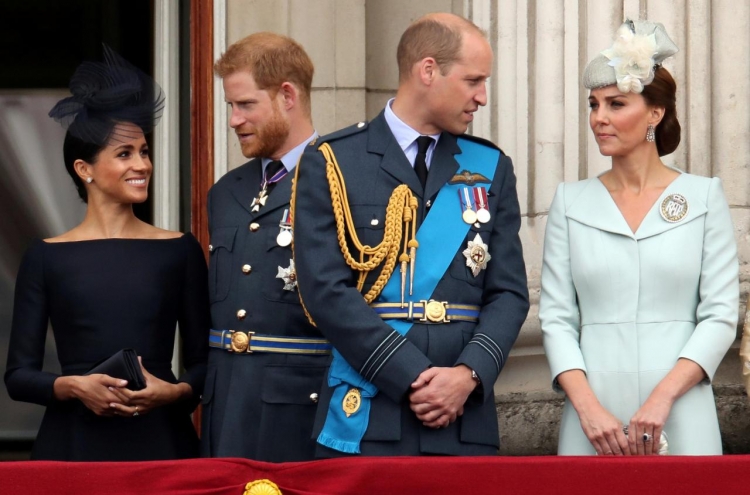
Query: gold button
x=314 y=398
x=246 y=269
x=254 y=226
x=210 y=248
x=241 y=314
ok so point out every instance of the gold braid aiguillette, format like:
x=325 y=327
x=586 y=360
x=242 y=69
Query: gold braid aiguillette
x=400 y=217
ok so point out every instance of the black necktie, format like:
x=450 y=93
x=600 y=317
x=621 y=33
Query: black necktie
x=420 y=163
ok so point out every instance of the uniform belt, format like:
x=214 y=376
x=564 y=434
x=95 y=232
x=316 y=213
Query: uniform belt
x=431 y=311
x=250 y=342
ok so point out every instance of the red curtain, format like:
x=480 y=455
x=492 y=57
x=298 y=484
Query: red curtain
x=393 y=475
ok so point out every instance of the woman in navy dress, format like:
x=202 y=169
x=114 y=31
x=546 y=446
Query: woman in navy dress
x=110 y=283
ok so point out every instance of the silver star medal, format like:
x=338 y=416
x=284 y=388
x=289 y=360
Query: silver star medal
x=289 y=276
x=476 y=255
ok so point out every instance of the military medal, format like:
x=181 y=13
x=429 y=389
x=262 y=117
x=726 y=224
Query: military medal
x=289 y=276
x=480 y=195
x=262 y=197
x=352 y=401
x=469 y=215
x=476 y=255
x=260 y=200
x=285 y=230
x=674 y=208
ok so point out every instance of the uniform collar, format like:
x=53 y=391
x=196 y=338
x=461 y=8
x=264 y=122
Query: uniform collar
x=291 y=159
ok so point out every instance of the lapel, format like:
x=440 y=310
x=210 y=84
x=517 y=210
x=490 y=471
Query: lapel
x=595 y=207
x=653 y=223
x=246 y=183
x=443 y=165
x=380 y=140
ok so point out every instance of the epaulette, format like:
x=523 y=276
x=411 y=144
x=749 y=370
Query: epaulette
x=346 y=131
x=483 y=141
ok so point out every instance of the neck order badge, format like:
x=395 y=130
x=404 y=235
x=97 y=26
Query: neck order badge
x=275 y=171
x=349 y=409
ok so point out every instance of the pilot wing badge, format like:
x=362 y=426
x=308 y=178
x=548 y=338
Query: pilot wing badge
x=469 y=178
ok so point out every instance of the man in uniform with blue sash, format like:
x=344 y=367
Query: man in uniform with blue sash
x=266 y=363
x=409 y=261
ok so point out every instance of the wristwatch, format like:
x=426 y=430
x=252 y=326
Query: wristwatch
x=475 y=377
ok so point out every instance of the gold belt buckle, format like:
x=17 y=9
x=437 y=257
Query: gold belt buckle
x=434 y=311
x=241 y=341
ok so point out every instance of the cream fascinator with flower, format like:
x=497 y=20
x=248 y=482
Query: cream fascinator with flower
x=639 y=47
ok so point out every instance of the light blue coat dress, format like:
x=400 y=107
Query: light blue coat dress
x=624 y=307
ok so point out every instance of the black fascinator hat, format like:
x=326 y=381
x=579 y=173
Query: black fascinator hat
x=105 y=94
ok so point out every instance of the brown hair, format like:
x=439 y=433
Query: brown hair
x=272 y=59
x=661 y=92
x=428 y=37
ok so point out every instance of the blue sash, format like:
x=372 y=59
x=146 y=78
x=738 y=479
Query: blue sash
x=444 y=222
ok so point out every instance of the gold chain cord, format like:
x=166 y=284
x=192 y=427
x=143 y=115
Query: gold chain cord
x=400 y=224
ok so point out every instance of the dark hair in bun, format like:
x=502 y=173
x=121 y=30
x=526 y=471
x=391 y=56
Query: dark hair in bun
x=661 y=92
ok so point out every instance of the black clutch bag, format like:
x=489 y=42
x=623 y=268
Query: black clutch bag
x=124 y=365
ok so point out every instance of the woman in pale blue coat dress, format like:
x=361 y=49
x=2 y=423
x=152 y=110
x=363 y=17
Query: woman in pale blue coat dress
x=640 y=278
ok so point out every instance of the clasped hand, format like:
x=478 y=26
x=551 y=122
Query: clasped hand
x=107 y=396
x=605 y=431
x=438 y=395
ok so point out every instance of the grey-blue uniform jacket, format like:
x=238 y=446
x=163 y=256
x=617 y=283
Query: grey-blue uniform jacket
x=259 y=406
x=373 y=164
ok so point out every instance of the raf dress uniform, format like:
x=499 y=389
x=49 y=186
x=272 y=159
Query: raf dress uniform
x=266 y=362
x=478 y=308
x=624 y=306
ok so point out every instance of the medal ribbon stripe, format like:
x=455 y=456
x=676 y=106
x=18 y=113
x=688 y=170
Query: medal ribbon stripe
x=343 y=432
x=275 y=177
x=286 y=221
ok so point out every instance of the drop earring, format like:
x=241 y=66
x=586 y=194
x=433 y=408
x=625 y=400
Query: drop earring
x=650 y=135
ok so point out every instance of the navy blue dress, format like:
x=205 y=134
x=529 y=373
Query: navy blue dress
x=101 y=296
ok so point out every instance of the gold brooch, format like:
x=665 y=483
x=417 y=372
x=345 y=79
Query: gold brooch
x=352 y=401
x=477 y=255
x=674 y=208
x=262 y=487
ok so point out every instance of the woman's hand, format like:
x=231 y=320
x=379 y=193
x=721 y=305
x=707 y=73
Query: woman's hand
x=652 y=415
x=97 y=392
x=157 y=393
x=648 y=420
x=604 y=431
